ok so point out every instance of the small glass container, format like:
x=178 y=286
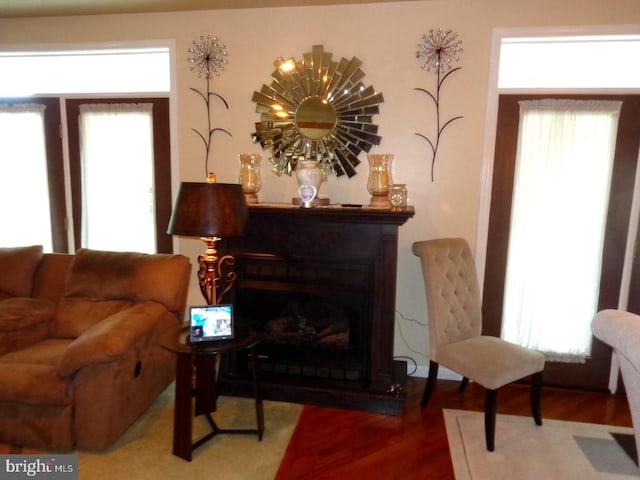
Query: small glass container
x=398 y=195
x=249 y=176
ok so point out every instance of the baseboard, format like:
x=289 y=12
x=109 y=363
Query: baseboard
x=443 y=373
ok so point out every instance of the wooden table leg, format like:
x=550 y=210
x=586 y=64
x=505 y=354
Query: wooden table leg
x=183 y=410
x=205 y=388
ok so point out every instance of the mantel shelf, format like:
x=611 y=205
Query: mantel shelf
x=337 y=212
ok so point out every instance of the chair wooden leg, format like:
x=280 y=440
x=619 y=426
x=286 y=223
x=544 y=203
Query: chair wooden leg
x=463 y=385
x=491 y=398
x=431 y=383
x=536 y=390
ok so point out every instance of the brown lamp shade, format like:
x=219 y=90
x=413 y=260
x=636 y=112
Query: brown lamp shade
x=209 y=210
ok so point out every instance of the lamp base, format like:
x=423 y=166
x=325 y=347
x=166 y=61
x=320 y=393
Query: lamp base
x=215 y=274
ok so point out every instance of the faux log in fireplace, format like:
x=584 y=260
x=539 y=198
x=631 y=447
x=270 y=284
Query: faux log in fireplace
x=321 y=284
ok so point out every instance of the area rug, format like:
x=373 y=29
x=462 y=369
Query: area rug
x=145 y=449
x=523 y=451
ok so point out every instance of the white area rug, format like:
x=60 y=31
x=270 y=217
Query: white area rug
x=144 y=452
x=524 y=451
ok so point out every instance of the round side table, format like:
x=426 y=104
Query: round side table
x=201 y=357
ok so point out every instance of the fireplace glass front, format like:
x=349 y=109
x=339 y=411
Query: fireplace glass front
x=312 y=314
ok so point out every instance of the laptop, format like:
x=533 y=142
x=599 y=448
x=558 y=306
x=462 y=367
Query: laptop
x=208 y=323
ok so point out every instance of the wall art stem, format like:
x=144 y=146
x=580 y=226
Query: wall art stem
x=439 y=49
x=207 y=57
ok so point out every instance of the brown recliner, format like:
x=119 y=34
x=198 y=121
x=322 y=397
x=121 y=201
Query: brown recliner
x=455 y=331
x=98 y=366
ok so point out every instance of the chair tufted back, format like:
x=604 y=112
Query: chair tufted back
x=451 y=287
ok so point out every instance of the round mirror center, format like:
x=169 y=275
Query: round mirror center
x=315 y=118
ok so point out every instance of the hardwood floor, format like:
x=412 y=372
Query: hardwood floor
x=337 y=444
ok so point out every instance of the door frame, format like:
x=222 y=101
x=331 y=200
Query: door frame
x=488 y=152
x=595 y=372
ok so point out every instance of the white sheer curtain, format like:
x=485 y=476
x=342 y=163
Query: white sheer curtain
x=24 y=188
x=561 y=190
x=118 y=205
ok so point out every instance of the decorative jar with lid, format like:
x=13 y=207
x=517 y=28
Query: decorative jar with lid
x=308 y=174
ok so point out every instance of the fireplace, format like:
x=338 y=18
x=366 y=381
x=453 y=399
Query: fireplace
x=320 y=284
x=314 y=315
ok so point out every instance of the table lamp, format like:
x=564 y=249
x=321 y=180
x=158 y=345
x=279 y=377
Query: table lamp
x=211 y=211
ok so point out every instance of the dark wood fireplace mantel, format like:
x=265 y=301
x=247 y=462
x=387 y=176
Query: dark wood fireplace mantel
x=346 y=255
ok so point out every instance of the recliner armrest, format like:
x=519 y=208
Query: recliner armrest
x=108 y=340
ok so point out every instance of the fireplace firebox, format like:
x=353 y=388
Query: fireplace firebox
x=320 y=284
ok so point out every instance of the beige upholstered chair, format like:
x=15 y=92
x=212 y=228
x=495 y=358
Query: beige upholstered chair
x=455 y=325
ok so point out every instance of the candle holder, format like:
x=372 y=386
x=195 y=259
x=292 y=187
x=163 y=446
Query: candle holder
x=398 y=195
x=379 y=182
x=249 y=176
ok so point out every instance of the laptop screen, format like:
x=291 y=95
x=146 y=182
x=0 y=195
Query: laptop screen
x=211 y=322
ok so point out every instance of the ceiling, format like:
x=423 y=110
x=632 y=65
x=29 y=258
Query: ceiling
x=38 y=8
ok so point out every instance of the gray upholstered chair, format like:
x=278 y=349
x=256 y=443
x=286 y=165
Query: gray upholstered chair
x=455 y=326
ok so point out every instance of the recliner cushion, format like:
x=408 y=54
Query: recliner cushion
x=76 y=315
x=18 y=266
x=137 y=277
x=102 y=283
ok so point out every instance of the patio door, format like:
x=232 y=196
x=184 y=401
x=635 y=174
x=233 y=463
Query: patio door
x=47 y=209
x=594 y=373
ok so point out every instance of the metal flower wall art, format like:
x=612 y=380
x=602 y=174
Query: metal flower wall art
x=208 y=58
x=438 y=50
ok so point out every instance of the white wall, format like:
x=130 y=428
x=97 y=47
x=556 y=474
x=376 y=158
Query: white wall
x=384 y=37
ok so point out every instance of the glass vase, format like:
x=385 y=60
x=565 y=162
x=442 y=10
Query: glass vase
x=379 y=182
x=249 y=176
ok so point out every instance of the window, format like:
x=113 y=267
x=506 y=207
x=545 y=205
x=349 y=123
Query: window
x=85 y=71
x=24 y=193
x=558 y=216
x=550 y=64
x=117 y=176
x=120 y=180
x=113 y=189
x=569 y=62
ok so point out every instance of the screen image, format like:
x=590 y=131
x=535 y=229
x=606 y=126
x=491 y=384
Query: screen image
x=211 y=322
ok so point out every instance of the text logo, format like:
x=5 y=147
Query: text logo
x=43 y=467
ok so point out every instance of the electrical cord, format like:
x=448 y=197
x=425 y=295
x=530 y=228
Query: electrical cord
x=404 y=339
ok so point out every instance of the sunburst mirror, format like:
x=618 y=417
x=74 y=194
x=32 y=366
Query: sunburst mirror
x=317 y=109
